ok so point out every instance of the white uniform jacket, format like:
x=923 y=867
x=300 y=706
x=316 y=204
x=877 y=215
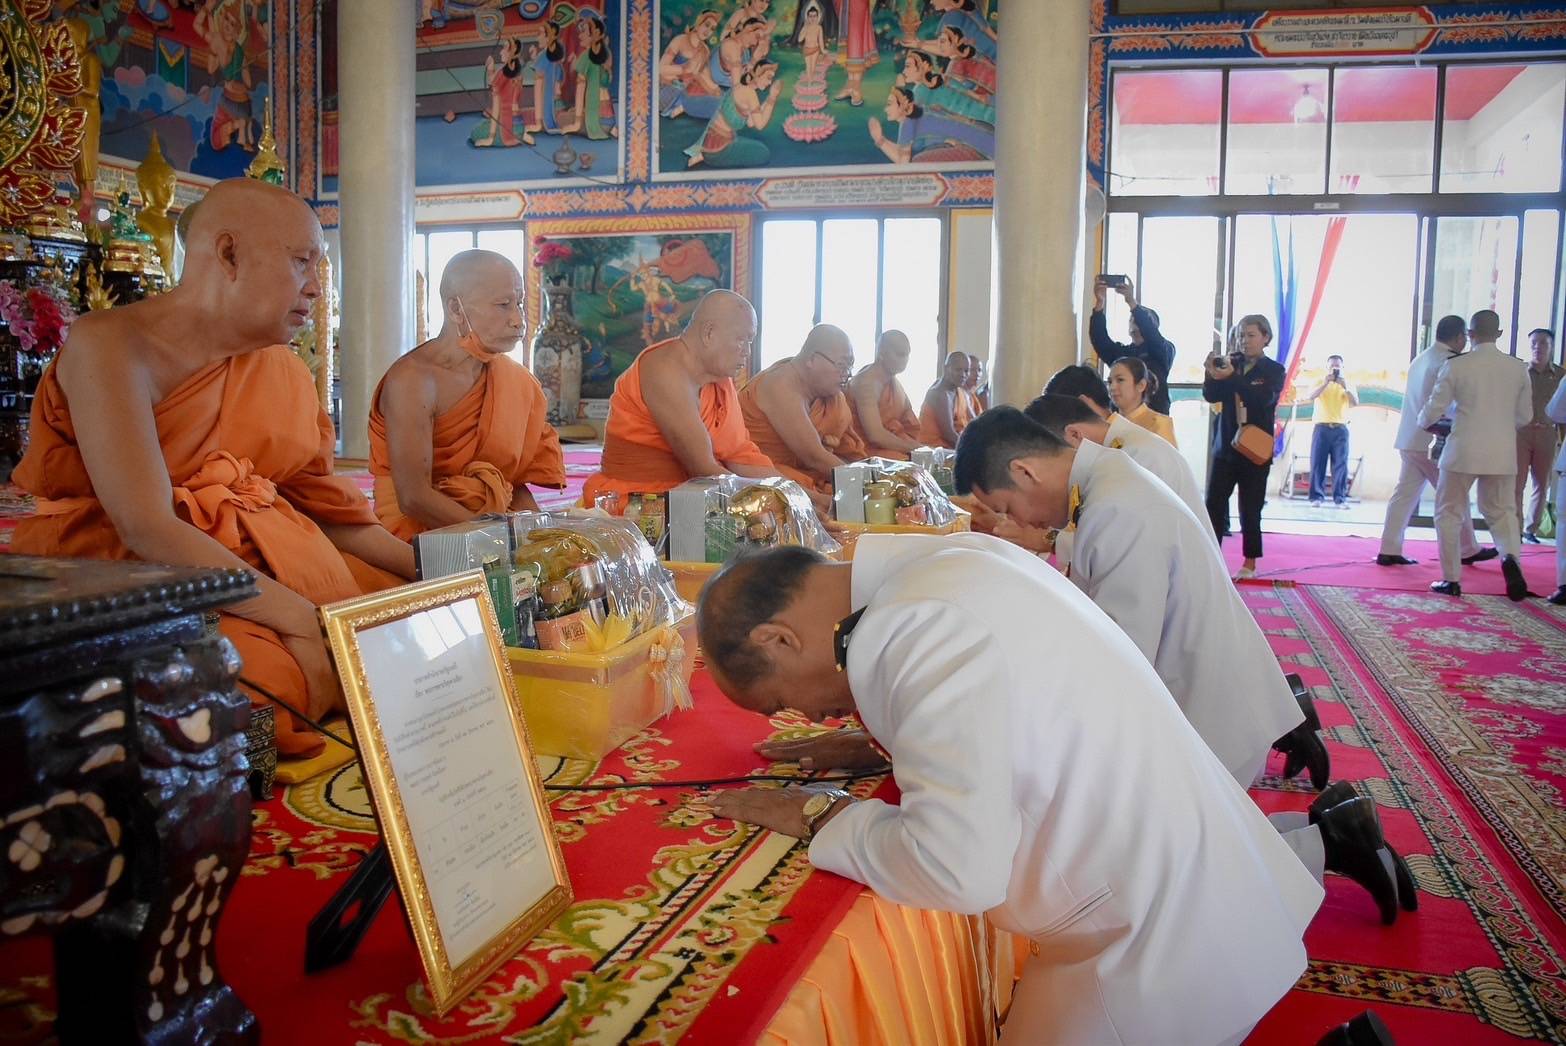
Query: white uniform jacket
x=1048 y=779
x=1160 y=457
x=1494 y=399
x=1422 y=375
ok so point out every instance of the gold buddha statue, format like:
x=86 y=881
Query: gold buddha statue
x=85 y=169
x=156 y=179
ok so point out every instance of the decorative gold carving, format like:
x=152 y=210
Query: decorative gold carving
x=267 y=166
x=40 y=134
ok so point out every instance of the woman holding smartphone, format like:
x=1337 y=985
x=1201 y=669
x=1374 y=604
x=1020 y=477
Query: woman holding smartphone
x=1247 y=386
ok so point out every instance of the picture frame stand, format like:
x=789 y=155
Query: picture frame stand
x=335 y=931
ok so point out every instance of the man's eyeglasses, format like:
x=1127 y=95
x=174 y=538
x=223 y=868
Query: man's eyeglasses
x=843 y=367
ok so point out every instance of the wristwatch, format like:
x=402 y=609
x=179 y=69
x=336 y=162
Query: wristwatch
x=819 y=805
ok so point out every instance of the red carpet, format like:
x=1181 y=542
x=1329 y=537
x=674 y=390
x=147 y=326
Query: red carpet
x=1449 y=712
x=1313 y=559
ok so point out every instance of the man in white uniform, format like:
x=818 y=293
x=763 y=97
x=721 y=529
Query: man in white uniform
x=1493 y=399
x=1152 y=567
x=1047 y=779
x=1413 y=444
x=1557 y=413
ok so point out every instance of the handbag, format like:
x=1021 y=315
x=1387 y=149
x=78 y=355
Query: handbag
x=1252 y=442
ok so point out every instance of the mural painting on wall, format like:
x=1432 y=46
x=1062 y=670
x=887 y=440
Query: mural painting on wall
x=768 y=84
x=195 y=72
x=630 y=284
x=508 y=91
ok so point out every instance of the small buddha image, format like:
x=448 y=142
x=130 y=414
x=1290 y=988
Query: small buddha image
x=156 y=179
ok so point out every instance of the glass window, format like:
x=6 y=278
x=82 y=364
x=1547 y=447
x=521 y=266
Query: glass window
x=1536 y=295
x=1277 y=132
x=850 y=260
x=509 y=242
x=788 y=287
x=444 y=246
x=1165 y=133
x=1476 y=268
x=911 y=299
x=1383 y=129
x=1180 y=264
x=1501 y=128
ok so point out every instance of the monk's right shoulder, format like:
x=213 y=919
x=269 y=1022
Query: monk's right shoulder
x=104 y=348
x=409 y=384
x=663 y=367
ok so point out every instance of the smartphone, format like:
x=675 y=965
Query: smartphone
x=1114 y=281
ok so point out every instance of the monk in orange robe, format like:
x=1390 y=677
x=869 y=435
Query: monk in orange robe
x=946 y=410
x=457 y=429
x=973 y=386
x=675 y=412
x=883 y=417
x=182 y=430
x=798 y=415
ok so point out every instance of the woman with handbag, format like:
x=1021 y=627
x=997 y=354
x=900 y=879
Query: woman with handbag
x=1246 y=385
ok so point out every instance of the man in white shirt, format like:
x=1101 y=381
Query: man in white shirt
x=1155 y=571
x=1493 y=399
x=1047 y=780
x=1413 y=445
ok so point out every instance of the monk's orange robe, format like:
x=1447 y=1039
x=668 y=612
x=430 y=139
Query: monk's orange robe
x=971 y=398
x=832 y=417
x=493 y=440
x=930 y=430
x=249 y=453
x=897 y=417
x=637 y=457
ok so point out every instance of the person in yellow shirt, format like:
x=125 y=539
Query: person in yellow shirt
x=1329 y=441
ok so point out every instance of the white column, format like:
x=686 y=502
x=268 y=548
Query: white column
x=1040 y=168
x=376 y=56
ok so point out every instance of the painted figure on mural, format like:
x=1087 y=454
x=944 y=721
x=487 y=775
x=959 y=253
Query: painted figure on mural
x=226 y=26
x=432 y=12
x=685 y=83
x=966 y=64
x=748 y=104
x=750 y=9
x=931 y=89
x=594 y=73
x=927 y=136
x=505 y=96
x=814 y=27
x=548 y=74
x=858 y=48
x=742 y=46
x=965 y=17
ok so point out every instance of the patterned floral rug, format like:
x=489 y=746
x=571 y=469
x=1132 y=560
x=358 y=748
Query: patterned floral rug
x=1450 y=713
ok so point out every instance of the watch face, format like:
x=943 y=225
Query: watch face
x=817 y=804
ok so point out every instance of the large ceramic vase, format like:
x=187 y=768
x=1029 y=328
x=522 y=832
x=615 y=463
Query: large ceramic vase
x=558 y=351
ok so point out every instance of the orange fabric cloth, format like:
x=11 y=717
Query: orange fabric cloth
x=895 y=975
x=249 y=452
x=971 y=399
x=930 y=429
x=832 y=417
x=494 y=439
x=637 y=457
x=897 y=417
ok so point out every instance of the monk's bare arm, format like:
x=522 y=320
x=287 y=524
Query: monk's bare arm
x=372 y=543
x=408 y=404
x=111 y=395
x=942 y=404
x=785 y=408
x=676 y=408
x=866 y=390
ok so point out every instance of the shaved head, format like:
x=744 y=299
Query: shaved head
x=720 y=332
x=717 y=307
x=826 y=359
x=892 y=350
x=482 y=294
x=955 y=369
x=256 y=209
x=472 y=269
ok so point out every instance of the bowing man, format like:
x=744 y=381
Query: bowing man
x=1149 y=563
x=457 y=428
x=1090 y=819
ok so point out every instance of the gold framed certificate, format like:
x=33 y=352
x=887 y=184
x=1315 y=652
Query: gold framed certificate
x=449 y=764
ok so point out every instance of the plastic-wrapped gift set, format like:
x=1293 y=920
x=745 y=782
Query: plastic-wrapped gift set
x=879 y=496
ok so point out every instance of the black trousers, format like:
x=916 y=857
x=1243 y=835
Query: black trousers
x=1230 y=470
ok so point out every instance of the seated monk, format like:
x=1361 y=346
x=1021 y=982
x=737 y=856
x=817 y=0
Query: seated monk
x=797 y=413
x=675 y=412
x=978 y=385
x=183 y=430
x=885 y=419
x=946 y=410
x=457 y=429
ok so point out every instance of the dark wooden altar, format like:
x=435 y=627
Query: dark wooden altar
x=124 y=806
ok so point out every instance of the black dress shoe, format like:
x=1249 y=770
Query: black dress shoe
x=1446 y=588
x=1303 y=749
x=1559 y=599
x=1344 y=791
x=1384 y=560
x=1482 y=555
x=1365 y=1030
x=1516 y=584
x=1407 y=891
x=1302 y=695
x=1335 y=793
x=1532 y=539
x=1351 y=837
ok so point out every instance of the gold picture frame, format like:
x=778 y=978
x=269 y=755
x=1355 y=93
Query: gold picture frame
x=460 y=807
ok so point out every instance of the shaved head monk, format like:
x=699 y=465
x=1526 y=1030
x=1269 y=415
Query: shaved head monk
x=947 y=406
x=675 y=413
x=977 y=385
x=458 y=429
x=182 y=429
x=885 y=418
x=797 y=414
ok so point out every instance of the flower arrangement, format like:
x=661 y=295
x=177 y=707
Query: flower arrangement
x=552 y=257
x=37 y=317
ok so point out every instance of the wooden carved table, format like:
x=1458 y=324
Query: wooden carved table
x=124 y=808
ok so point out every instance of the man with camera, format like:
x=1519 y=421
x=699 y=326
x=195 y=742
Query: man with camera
x=1329 y=441
x=1148 y=343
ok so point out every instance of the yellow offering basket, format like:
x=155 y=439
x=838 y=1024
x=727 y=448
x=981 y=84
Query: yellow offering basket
x=961 y=525
x=584 y=706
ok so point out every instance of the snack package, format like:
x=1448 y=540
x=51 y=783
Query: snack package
x=712 y=519
x=879 y=491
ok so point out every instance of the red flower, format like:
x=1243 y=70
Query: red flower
x=549 y=252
